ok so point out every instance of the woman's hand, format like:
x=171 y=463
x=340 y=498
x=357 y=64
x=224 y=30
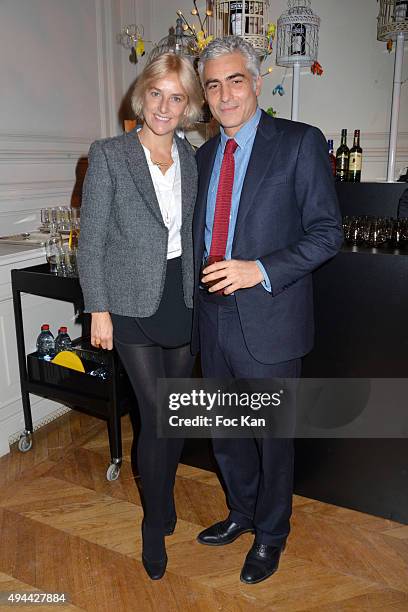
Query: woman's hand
x=102 y=330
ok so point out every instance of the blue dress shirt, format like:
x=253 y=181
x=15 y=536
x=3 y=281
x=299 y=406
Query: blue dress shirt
x=245 y=139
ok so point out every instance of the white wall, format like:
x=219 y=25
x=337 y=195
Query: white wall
x=355 y=90
x=61 y=87
x=64 y=78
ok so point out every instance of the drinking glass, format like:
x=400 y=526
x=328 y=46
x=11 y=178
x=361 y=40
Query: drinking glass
x=66 y=261
x=64 y=219
x=376 y=233
x=207 y=262
x=60 y=215
x=45 y=219
x=346 y=225
x=404 y=230
x=355 y=233
x=52 y=249
x=397 y=234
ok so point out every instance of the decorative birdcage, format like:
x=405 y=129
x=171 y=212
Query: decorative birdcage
x=298 y=35
x=177 y=41
x=392 y=25
x=245 y=18
x=392 y=19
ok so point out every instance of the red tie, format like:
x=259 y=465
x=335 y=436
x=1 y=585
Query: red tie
x=223 y=202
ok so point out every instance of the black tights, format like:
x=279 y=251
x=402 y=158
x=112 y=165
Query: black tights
x=157 y=458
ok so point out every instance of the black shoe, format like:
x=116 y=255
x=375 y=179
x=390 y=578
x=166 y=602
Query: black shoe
x=170 y=526
x=155 y=569
x=153 y=547
x=261 y=562
x=222 y=533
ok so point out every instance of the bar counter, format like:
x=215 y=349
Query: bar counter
x=361 y=313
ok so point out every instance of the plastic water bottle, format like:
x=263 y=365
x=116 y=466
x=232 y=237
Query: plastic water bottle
x=45 y=343
x=62 y=341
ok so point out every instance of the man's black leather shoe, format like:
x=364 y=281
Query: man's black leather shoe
x=222 y=533
x=155 y=569
x=261 y=562
x=170 y=526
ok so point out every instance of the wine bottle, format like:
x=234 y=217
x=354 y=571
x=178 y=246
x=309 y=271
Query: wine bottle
x=342 y=159
x=356 y=159
x=332 y=157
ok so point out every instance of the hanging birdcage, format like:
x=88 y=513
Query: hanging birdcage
x=245 y=18
x=392 y=25
x=392 y=19
x=177 y=41
x=297 y=35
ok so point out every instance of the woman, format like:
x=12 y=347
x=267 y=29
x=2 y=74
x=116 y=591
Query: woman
x=136 y=270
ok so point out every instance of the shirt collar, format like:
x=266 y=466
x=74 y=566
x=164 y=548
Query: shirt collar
x=244 y=134
x=174 y=149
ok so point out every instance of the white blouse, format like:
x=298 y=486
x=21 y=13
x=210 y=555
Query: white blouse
x=168 y=192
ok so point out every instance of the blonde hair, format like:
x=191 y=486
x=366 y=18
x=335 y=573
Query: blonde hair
x=162 y=66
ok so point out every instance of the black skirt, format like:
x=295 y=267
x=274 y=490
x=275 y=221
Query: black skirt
x=169 y=326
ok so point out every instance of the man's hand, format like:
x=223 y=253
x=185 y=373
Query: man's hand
x=102 y=330
x=235 y=274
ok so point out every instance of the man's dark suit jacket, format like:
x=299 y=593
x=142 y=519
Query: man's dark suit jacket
x=403 y=205
x=289 y=219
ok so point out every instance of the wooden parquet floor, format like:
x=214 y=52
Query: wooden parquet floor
x=64 y=527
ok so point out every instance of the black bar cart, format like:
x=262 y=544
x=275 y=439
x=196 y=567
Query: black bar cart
x=105 y=399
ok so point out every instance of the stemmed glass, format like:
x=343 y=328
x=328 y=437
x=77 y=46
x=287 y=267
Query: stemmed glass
x=45 y=219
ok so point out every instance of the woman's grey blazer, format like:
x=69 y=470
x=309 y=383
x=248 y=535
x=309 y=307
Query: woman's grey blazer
x=122 y=251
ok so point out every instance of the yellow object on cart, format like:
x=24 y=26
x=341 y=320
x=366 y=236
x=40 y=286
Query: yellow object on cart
x=68 y=359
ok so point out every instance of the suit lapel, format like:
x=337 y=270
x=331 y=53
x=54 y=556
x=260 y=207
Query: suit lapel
x=188 y=184
x=265 y=147
x=139 y=170
x=205 y=167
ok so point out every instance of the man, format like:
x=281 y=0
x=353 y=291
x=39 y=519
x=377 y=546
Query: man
x=267 y=207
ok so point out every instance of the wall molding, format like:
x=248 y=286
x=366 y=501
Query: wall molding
x=15 y=147
x=40 y=157
x=106 y=72
x=38 y=168
x=375 y=145
x=101 y=71
x=42 y=137
x=19 y=147
x=110 y=69
x=34 y=190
